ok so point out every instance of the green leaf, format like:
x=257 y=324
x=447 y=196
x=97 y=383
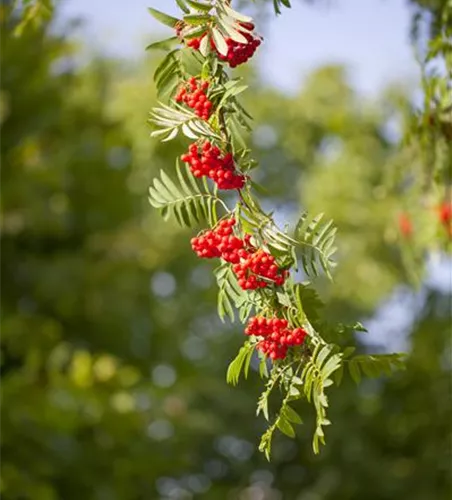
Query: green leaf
x=183 y=5
x=348 y=351
x=166 y=70
x=285 y=427
x=338 y=375
x=358 y=327
x=315 y=239
x=232 y=92
x=308 y=301
x=375 y=365
x=179 y=118
x=308 y=381
x=166 y=86
x=197 y=19
x=227 y=25
x=259 y=188
x=283 y=299
x=247 y=362
x=291 y=415
x=191 y=61
x=163 y=44
x=220 y=42
x=235 y=367
x=204 y=49
x=312 y=239
x=205 y=72
x=263 y=370
x=331 y=366
x=323 y=355
x=294 y=392
x=236 y=133
x=241 y=360
x=163 y=18
x=187 y=202
x=190 y=32
x=204 y=7
x=354 y=371
x=370 y=368
x=262 y=405
x=277 y=3
x=230 y=291
x=265 y=444
x=224 y=306
x=236 y=15
x=276 y=7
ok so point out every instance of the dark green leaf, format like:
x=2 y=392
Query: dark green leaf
x=354 y=371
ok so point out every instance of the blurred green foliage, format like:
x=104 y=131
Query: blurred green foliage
x=113 y=361
x=34 y=13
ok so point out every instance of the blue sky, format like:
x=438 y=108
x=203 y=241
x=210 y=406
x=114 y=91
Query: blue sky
x=370 y=37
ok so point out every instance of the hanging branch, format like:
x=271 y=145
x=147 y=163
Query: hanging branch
x=256 y=258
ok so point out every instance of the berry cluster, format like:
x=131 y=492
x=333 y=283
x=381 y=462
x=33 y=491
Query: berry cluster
x=219 y=243
x=253 y=268
x=238 y=53
x=277 y=336
x=257 y=269
x=209 y=161
x=194 y=94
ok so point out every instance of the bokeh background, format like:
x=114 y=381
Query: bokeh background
x=113 y=360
